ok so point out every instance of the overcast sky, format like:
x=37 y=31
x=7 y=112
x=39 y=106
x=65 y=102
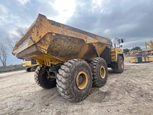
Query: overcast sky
x=128 y=19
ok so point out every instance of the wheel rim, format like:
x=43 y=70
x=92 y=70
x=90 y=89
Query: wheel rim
x=122 y=64
x=102 y=72
x=50 y=78
x=82 y=80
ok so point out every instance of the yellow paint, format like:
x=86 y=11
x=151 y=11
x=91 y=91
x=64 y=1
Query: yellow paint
x=28 y=63
x=114 y=54
x=122 y=64
x=99 y=48
x=144 y=59
x=102 y=72
x=50 y=42
x=82 y=80
x=133 y=60
x=149 y=45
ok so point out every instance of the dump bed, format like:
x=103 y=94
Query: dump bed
x=50 y=41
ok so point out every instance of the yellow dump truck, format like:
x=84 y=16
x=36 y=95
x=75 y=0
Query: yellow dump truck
x=143 y=56
x=69 y=58
x=30 y=64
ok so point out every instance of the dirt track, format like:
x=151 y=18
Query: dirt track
x=124 y=94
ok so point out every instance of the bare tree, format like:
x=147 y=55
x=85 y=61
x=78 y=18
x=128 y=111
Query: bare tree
x=3 y=54
x=20 y=33
x=11 y=40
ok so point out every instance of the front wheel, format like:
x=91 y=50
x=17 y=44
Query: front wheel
x=74 y=80
x=119 y=65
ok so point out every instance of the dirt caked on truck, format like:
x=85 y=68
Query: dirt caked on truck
x=71 y=59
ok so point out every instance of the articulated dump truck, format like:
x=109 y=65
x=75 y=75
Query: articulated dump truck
x=70 y=59
x=30 y=64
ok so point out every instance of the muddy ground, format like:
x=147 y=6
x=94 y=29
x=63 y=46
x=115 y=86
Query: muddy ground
x=129 y=93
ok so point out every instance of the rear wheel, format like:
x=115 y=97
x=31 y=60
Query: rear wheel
x=42 y=78
x=99 y=70
x=119 y=66
x=74 y=80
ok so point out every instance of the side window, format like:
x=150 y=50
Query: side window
x=33 y=61
x=27 y=59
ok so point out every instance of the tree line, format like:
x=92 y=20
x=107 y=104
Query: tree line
x=134 y=48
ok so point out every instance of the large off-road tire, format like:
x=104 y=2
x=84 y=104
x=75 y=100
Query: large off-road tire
x=41 y=78
x=28 y=69
x=99 y=71
x=34 y=68
x=119 y=66
x=74 y=80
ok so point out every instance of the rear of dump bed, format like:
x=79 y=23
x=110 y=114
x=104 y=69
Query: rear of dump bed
x=51 y=42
